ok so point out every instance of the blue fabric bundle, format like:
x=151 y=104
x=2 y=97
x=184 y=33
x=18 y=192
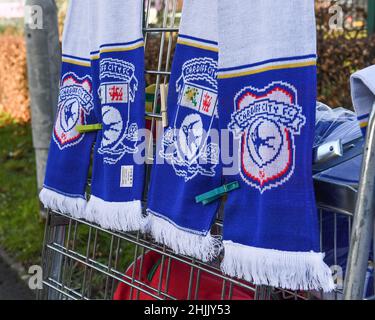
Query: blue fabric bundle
x=102 y=83
x=267 y=94
x=363 y=94
x=187 y=161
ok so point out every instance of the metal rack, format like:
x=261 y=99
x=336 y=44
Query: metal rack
x=83 y=261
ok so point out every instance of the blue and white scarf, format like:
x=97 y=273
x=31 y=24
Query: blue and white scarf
x=267 y=94
x=102 y=83
x=69 y=154
x=187 y=161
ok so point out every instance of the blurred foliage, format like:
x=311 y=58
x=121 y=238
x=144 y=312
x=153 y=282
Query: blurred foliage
x=14 y=95
x=341 y=52
x=62 y=6
x=152 y=50
x=6 y=29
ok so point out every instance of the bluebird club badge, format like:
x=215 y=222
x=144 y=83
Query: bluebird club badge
x=117 y=93
x=267 y=120
x=186 y=145
x=75 y=103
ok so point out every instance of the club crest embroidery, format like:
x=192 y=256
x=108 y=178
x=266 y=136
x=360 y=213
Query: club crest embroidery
x=74 y=105
x=267 y=120
x=117 y=93
x=186 y=146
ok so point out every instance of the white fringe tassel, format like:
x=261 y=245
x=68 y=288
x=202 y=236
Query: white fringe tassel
x=205 y=248
x=287 y=270
x=120 y=216
x=65 y=204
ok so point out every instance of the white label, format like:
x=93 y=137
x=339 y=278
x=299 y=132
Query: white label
x=126 y=177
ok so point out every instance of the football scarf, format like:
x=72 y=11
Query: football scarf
x=117 y=56
x=187 y=159
x=363 y=94
x=69 y=154
x=102 y=89
x=267 y=94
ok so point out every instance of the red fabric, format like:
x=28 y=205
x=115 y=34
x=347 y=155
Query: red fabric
x=210 y=286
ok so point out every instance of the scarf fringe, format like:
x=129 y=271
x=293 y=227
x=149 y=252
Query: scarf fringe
x=119 y=216
x=62 y=203
x=287 y=270
x=205 y=248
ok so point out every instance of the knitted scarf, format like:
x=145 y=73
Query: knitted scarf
x=102 y=84
x=187 y=161
x=267 y=94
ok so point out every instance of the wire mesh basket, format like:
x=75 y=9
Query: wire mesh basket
x=84 y=261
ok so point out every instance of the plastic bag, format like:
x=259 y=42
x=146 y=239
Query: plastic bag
x=335 y=124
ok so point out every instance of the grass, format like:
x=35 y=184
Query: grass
x=21 y=228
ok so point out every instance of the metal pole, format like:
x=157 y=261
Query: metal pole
x=363 y=221
x=43 y=60
x=44 y=63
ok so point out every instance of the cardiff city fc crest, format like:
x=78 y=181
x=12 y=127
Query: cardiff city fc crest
x=117 y=93
x=186 y=144
x=267 y=120
x=75 y=103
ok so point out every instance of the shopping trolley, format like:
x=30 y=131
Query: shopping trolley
x=82 y=261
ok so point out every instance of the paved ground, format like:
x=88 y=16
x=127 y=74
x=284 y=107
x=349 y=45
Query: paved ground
x=11 y=287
